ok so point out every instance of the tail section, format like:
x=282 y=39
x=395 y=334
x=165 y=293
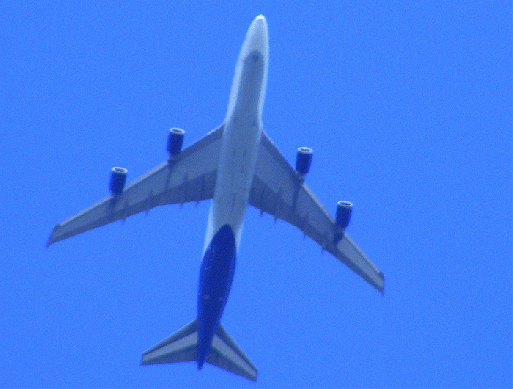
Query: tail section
x=182 y=347
x=225 y=354
x=179 y=347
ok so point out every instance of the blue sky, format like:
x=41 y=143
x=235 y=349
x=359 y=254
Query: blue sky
x=408 y=107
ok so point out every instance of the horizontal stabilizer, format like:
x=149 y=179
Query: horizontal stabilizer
x=182 y=347
x=225 y=354
x=179 y=347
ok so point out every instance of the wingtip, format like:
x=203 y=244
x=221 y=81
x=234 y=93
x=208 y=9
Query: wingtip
x=144 y=362
x=50 y=238
x=49 y=241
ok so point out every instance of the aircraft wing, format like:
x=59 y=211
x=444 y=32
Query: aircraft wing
x=189 y=176
x=278 y=190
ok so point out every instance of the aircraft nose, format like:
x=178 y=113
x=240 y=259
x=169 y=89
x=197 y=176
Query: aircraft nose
x=256 y=37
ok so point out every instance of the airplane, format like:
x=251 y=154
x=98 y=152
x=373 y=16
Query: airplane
x=234 y=165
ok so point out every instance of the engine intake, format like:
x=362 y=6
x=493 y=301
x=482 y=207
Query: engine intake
x=303 y=160
x=175 y=141
x=117 y=180
x=344 y=209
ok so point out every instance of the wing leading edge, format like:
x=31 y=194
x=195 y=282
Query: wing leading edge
x=188 y=177
x=278 y=190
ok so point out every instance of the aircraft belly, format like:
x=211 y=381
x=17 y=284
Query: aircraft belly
x=216 y=276
x=235 y=175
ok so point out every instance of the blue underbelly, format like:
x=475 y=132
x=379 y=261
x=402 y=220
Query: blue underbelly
x=216 y=276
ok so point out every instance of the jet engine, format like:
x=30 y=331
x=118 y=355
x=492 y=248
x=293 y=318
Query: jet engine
x=117 y=180
x=344 y=209
x=175 y=141
x=303 y=160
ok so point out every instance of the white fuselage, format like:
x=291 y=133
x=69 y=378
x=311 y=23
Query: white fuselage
x=241 y=134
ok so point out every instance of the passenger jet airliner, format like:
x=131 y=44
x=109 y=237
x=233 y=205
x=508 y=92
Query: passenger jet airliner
x=234 y=165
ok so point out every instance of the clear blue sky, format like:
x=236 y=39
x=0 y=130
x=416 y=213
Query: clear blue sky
x=408 y=107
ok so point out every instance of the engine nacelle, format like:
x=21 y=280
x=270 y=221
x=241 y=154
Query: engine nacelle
x=175 y=141
x=344 y=209
x=303 y=160
x=117 y=180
